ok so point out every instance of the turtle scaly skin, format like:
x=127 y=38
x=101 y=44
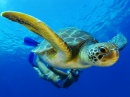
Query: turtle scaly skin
x=69 y=47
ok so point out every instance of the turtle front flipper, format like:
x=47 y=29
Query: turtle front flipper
x=41 y=29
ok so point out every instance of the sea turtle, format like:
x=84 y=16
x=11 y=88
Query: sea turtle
x=70 y=47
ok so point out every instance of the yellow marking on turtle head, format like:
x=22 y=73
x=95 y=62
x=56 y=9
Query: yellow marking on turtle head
x=103 y=54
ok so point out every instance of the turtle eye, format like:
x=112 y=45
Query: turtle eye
x=103 y=49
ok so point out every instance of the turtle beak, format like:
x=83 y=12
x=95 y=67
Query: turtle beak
x=110 y=58
x=115 y=56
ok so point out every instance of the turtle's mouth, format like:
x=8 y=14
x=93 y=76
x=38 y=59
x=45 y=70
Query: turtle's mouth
x=110 y=58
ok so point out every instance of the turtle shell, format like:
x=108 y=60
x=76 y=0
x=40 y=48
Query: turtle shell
x=72 y=36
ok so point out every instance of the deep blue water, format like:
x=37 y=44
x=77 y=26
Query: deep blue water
x=101 y=18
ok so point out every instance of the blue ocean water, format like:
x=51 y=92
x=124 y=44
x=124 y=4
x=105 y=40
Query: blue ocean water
x=102 y=18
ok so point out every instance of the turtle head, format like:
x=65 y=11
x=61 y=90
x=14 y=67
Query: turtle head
x=101 y=54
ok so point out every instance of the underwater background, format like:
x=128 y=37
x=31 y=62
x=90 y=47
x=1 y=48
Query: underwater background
x=102 y=18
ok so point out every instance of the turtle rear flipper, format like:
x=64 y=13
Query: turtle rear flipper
x=119 y=40
x=41 y=29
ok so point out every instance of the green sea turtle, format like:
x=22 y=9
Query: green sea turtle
x=70 y=47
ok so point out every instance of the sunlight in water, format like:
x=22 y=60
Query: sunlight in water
x=100 y=18
x=3 y=2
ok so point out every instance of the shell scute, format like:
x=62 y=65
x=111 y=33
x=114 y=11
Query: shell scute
x=72 y=36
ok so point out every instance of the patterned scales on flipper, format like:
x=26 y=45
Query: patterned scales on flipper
x=72 y=36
